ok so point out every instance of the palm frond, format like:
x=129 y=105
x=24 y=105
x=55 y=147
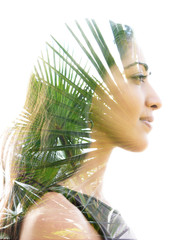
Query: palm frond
x=53 y=131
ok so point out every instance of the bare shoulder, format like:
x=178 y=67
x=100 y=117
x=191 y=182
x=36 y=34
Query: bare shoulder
x=54 y=217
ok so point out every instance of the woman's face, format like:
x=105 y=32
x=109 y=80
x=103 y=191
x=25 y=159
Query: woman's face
x=130 y=119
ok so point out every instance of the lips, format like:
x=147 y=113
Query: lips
x=147 y=121
x=147 y=118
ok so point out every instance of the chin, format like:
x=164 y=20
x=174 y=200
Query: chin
x=135 y=146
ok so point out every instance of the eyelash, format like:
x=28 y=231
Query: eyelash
x=139 y=77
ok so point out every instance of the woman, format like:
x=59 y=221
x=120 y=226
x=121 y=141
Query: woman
x=71 y=122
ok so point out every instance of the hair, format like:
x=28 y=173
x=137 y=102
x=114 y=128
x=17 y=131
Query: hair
x=49 y=140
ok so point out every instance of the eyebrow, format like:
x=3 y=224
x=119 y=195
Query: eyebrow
x=143 y=64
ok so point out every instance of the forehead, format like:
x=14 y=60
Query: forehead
x=129 y=50
x=133 y=56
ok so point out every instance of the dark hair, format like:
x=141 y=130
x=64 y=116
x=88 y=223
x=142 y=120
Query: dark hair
x=49 y=140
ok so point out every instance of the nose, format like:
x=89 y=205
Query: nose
x=152 y=100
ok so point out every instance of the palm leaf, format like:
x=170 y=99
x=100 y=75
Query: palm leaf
x=53 y=131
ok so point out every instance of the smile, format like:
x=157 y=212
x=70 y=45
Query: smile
x=147 y=123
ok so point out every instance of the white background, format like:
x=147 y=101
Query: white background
x=152 y=189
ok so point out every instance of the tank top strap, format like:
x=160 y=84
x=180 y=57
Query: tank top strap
x=107 y=221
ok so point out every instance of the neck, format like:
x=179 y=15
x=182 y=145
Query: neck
x=89 y=177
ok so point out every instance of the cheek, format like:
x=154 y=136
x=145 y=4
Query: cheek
x=132 y=135
x=135 y=102
x=122 y=124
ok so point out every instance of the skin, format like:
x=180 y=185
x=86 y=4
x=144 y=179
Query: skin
x=126 y=125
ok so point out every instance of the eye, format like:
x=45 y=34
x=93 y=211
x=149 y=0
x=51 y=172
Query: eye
x=139 y=78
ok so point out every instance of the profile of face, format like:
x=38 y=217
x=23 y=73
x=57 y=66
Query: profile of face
x=128 y=120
